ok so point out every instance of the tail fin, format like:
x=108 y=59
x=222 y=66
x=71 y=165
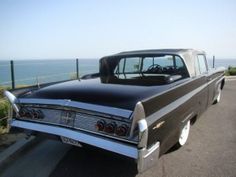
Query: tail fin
x=13 y=100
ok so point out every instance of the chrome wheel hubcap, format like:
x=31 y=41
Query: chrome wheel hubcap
x=184 y=134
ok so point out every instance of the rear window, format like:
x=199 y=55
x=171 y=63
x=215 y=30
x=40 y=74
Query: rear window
x=163 y=61
x=162 y=64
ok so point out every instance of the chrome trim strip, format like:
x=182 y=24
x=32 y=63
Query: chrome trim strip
x=108 y=136
x=10 y=97
x=107 y=144
x=137 y=115
x=216 y=88
x=152 y=149
x=175 y=104
x=220 y=80
x=13 y=100
x=96 y=133
x=143 y=133
x=188 y=117
x=68 y=103
x=148 y=157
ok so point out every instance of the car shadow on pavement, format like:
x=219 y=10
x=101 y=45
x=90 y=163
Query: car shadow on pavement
x=172 y=149
x=91 y=162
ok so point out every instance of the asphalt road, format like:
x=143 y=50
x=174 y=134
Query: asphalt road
x=210 y=151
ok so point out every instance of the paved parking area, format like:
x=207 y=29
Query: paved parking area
x=210 y=151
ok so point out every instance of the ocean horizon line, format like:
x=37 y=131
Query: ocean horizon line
x=30 y=59
x=93 y=58
x=49 y=70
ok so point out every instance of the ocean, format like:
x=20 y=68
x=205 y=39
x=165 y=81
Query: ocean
x=31 y=72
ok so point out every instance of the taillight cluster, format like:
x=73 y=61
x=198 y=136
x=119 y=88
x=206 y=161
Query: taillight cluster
x=112 y=128
x=31 y=113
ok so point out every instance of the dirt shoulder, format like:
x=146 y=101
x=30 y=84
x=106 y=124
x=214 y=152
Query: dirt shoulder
x=7 y=139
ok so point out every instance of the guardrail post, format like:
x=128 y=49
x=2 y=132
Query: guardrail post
x=12 y=75
x=77 y=68
x=213 y=61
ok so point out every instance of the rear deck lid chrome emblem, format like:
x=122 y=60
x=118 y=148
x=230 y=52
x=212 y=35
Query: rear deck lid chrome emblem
x=67 y=118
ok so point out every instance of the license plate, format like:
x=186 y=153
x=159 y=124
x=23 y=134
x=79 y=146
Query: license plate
x=70 y=141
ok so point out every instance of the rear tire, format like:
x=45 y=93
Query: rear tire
x=217 y=100
x=183 y=137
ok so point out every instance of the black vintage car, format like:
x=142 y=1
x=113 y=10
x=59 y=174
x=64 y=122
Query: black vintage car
x=139 y=105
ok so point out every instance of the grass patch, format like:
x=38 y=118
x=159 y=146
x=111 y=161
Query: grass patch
x=1 y=92
x=73 y=76
x=4 y=107
x=231 y=71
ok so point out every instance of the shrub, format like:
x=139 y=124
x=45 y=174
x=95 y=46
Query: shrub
x=73 y=76
x=2 y=88
x=227 y=73
x=232 y=71
x=4 y=106
x=1 y=92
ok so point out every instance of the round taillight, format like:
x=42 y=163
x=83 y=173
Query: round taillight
x=110 y=128
x=100 y=125
x=122 y=130
x=40 y=114
x=29 y=113
x=23 y=112
x=35 y=114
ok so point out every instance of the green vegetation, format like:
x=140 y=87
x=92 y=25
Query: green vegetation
x=1 y=92
x=4 y=106
x=231 y=71
x=73 y=76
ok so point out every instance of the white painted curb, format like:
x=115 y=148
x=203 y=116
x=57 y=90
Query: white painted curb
x=14 y=148
x=230 y=78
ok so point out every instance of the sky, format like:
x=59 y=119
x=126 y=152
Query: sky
x=51 y=29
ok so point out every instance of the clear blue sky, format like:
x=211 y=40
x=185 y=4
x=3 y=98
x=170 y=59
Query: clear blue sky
x=91 y=29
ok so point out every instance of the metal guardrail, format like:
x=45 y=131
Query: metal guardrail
x=13 y=81
x=37 y=78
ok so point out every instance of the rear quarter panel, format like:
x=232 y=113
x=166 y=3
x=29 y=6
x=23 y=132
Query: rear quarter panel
x=167 y=112
x=215 y=78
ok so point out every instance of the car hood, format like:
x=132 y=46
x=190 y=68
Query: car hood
x=106 y=91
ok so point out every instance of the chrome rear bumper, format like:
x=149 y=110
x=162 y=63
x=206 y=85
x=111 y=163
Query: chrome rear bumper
x=144 y=157
x=104 y=143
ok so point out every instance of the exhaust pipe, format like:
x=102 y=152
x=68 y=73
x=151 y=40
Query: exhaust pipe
x=13 y=100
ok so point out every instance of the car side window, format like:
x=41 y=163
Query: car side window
x=130 y=65
x=120 y=66
x=200 y=64
x=179 y=62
